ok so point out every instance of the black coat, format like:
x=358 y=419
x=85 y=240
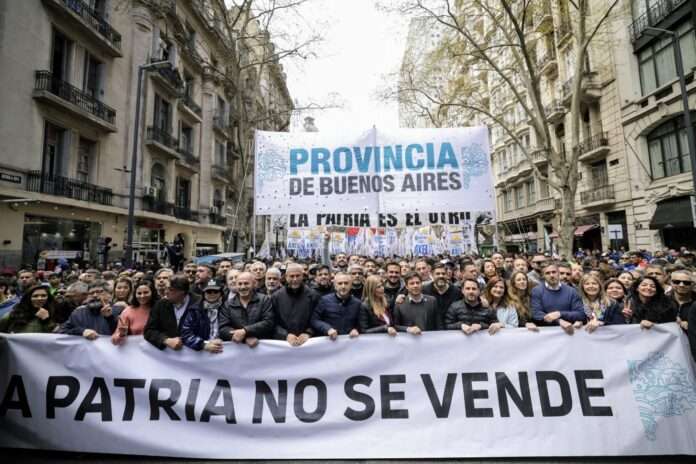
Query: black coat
x=293 y=311
x=443 y=301
x=333 y=313
x=461 y=312
x=162 y=324
x=370 y=323
x=256 y=318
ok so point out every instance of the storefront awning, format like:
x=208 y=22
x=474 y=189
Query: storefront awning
x=582 y=230
x=675 y=212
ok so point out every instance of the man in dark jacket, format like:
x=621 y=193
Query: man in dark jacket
x=199 y=330
x=96 y=317
x=393 y=285
x=322 y=282
x=248 y=316
x=468 y=314
x=357 y=274
x=337 y=313
x=163 y=328
x=444 y=293
x=293 y=306
x=417 y=312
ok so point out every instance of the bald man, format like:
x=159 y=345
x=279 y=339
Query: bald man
x=248 y=317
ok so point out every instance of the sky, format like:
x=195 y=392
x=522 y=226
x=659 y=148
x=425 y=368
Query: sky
x=361 y=46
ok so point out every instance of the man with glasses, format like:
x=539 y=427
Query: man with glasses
x=96 y=317
x=200 y=328
x=555 y=303
x=682 y=295
x=190 y=272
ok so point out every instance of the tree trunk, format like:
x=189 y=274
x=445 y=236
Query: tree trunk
x=566 y=220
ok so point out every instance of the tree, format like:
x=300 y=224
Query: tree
x=499 y=39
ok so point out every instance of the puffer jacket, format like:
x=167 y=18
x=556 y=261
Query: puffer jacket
x=461 y=312
x=257 y=318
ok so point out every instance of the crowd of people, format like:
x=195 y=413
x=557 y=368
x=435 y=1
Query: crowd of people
x=245 y=302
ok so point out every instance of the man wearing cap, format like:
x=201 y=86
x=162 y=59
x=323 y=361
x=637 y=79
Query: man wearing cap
x=200 y=328
x=293 y=306
x=248 y=317
x=163 y=327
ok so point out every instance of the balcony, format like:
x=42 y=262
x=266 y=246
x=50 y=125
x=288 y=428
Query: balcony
x=185 y=213
x=90 y=22
x=157 y=205
x=68 y=188
x=555 y=112
x=547 y=205
x=221 y=173
x=221 y=124
x=187 y=159
x=68 y=97
x=189 y=53
x=170 y=80
x=217 y=219
x=652 y=17
x=548 y=65
x=191 y=107
x=162 y=140
x=590 y=88
x=593 y=148
x=540 y=156
x=598 y=196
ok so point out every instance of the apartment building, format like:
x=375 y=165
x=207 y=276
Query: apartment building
x=70 y=78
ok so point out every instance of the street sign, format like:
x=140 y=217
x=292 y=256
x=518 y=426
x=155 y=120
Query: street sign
x=615 y=231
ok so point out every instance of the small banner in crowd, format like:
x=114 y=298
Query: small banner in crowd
x=619 y=391
x=374 y=171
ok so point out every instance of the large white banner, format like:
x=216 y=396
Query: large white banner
x=374 y=171
x=619 y=391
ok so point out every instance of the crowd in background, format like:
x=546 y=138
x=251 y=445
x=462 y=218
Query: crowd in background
x=244 y=302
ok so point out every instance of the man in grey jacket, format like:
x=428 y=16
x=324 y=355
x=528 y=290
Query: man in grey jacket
x=96 y=317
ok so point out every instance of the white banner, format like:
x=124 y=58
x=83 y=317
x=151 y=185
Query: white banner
x=619 y=391
x=374 y=171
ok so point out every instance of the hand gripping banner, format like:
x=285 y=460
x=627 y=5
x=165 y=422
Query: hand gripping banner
x=619 y=391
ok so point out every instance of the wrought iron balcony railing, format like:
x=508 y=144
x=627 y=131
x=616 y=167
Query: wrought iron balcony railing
x=185 y=213
x=94 y=20
x=593 y=143
x=44 y=80
x=599 y=193
x=68 y=188
x=162 y=137
x=653 y=15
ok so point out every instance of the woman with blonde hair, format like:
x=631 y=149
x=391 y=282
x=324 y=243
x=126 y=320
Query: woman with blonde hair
x=519 y=296
x=374 y=312
x=596 y=302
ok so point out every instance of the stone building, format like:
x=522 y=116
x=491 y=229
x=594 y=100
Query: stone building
x=70 y=78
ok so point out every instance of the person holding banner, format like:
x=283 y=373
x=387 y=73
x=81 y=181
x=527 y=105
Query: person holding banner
x=648 y=304
x=200 y=328
x=495 y=294
x=33 y=313
x=519 y=293
x=444 y=293
x=418 y=312
x=97 y=317
x=555 y=303
x=599 y=308
x=163 y=328
x=374 y=311
x=337 y=314
x=133 y=319
x=249 y=316
x=469 y=314
x=293 y=306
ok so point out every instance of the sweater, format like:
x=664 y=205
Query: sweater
x=135 y=319
x=422 y=314
x=565 y=300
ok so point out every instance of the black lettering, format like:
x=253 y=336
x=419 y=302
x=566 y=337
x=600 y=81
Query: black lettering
x=16 y=383
x=340 y=185
x=471 y=395
x=191 y=397
x=303 y=221
x=408 y=184
x=300 y=412
x=522 y=399
x=129 y=386
x=388 y=181
x=308 y=186
x=453 y=219
x=442 y=183
x=433 y=218
x=325 y=186
x=440 y=408
x=543 y=377
x=222 y=388
x=391 y=220
x=364 y=398
x=278 y=407
x=585 y=393
x=295 y=186
x=364 y=220
x=376 y=184
x=387 y=396
x=166 y=404
x=455 y=181
x=429 y=182
x=73 y=386
x=89 y=406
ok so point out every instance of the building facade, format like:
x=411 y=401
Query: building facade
x=71 y=77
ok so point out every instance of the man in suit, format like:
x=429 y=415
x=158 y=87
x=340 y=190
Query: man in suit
x=163 y=327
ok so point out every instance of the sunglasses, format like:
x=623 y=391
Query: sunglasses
x=682 y=282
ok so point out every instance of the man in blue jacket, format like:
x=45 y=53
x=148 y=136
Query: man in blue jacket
x=555 y=303
x=337 y=313
x=96 y=317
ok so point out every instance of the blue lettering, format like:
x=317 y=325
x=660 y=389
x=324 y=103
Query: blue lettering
x=337 y=159
x=363 y=159
x=430 y=149
x=447 y=157
x=297 y=156
x=320 y=156
x=410 y=162
x=392 y=160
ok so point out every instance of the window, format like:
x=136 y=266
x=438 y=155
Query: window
x=519 y=197
x=91 y=80
x=188 y=86
x=60 y=57
x=164 y=47
x=531 y=193
x=163 y=111
x=219 y=153
x=186 y=139
x=668 y=149
x=54 y=141
x=507 y=200
x=183 y=193
x=85 y=154
x=656 y=61
x=158 y=180
x=599 y=177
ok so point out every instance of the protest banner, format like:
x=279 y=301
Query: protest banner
x=372 y=172
x=620 y=391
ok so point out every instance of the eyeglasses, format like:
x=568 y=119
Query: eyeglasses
x=682 y=282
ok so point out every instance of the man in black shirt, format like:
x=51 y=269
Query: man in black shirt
x=444 y=293
x=468 y=314
x=418 y=312
x=322 y=281
x=393 y=285
x=293 y=305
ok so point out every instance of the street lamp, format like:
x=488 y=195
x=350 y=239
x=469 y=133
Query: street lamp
x=128 y=261
x=691 y=139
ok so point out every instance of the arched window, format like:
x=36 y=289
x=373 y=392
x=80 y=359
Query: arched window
x=158 y=180
x=668 y=149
